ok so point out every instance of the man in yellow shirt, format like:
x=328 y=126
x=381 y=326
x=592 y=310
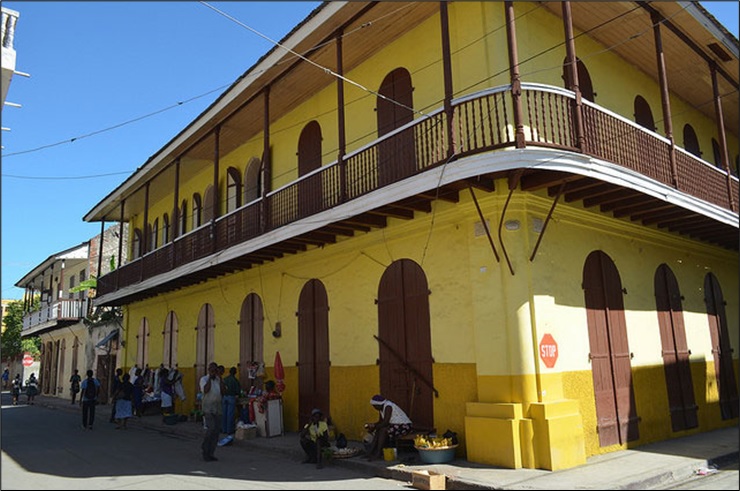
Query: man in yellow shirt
x=314 y=437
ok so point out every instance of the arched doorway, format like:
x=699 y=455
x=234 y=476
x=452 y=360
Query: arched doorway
x=611 y=369
x=142 y=344
x=643 y=113
x=690 y=141
x=309 y=159
x=723 y=366
x=313 y=350
x=204 y=342
x=397 y=155
x=584 y=80
x=169 y=355
x=675 y=350
x=405 y=341
x=251 y=337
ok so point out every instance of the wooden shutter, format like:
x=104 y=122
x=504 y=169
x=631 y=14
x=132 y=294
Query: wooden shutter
x=610 y=356
x=397 y=155
x=675 y=351
x=251 y=336
x=721 y=349
x=313 y=350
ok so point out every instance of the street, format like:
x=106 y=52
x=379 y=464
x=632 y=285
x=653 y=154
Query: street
x=44 y=448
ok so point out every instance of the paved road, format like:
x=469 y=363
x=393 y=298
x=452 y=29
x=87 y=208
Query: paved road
x=43 y=448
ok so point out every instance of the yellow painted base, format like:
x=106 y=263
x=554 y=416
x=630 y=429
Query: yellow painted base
x=552 y=438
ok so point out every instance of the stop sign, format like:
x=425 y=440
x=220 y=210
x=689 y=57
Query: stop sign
x=27 y=360
x=548 y=350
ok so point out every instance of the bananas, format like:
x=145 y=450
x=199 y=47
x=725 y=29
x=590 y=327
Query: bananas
x=422 y=441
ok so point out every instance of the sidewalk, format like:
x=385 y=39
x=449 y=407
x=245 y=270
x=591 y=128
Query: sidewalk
x=645 y=467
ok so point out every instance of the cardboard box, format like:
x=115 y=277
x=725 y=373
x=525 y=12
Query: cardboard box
x=245 y=433
x=428 y=480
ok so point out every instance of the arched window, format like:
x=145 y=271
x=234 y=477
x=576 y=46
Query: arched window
x=643 y=114
x=197 y=211
x=309 y=159
x=208 y=211
x=584 y=80
x=136 y=244
x=154 y=234
x=183 y=218
x=233 y=189
x=690 y=141
x=396 y=155
x=717 y=153
x=252 y=188
x=165 y=229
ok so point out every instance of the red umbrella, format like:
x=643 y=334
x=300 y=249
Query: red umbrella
x=279 y=373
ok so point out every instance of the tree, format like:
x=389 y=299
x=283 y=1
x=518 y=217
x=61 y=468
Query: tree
x=12 y=345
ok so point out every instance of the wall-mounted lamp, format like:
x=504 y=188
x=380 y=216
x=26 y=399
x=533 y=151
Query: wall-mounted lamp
x=278 y=330
x=512 y=224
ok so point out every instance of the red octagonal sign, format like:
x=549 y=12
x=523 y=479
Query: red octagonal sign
x=548 y=350
x=27 y=360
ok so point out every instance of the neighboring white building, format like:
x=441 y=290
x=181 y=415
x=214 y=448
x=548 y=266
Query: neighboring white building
x=69 y=340
x=9 y=20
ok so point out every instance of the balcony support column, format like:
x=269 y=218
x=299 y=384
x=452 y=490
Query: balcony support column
x=176 y=232
x=214 y=196
x=120 y=241
x=266 y=170
x=664 y=94
x=100 y=249
x=447 y=74
x=342 y=136
x=516 y=82
x=721 y=132
x=572 y=67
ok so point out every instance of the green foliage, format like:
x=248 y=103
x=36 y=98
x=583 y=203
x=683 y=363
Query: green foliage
x=11 y=344
x=104 y=315
x=87 y=284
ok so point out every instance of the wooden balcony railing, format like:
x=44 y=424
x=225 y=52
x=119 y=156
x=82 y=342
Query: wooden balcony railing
x=482 y=122
x=58 y=311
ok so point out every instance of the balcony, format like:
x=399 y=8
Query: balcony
x=643 y=173
x=53 y=315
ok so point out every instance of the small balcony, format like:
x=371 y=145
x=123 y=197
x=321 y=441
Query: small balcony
x=54 y=315
x=477 y=124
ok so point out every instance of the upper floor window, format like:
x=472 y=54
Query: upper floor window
x=690 y=141
x=717 y=153
x=252 y=189
x=309 y=148
x=165 y=229
x=643 y=114
x=136 y=244
x=208 y=211
x=233 y=189
x=197 y=211
x=183 y=218
x=584 y=80
x=72 y=280
x=154 y=234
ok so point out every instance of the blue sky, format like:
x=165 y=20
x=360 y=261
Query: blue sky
x=95 y=65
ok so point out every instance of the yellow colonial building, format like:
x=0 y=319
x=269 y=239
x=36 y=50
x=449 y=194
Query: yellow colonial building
x=517 y=220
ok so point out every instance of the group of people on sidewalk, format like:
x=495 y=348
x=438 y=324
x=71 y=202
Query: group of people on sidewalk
x=218 y=396
x=17 y=386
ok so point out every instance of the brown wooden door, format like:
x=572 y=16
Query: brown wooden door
x=204 y=342
x=397 y=155
x=313 y=350
x=616 y=412
x=405 y=341
x=170 y=333
x=309 y=159
x=721 y=349
x=103 y=373
x=251 y=337
x=675 y=350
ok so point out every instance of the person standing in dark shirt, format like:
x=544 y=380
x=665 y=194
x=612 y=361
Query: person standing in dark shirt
x=233 y=389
